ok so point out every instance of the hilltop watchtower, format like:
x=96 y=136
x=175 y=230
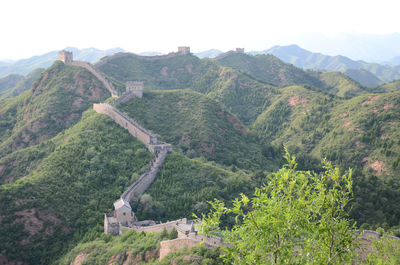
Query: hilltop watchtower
x=184 y=50
x=239 y=50
x=136 y=87
x=65 y=56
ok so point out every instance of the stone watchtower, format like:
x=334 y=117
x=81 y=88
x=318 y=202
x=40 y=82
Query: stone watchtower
x=65 y=56
x=136 y=87
x=184 y=50
x=239 y=50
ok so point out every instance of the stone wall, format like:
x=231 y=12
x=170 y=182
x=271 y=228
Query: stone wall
x=134 y=128
x=97 y=74
x=145 y=180
x=172 y=245
x=125 y=97
x=169 y=226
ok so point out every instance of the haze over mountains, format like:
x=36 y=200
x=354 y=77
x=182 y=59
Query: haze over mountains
x=366 y=73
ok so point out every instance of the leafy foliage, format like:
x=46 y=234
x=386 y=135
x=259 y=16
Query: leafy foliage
x=298 y=218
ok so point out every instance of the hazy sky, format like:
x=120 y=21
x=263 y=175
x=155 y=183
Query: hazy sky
x=33 y=27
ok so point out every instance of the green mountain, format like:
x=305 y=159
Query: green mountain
x=240 y=93
x=341 y=85
x=198 y=126
x=55 y=102
x=360 y=133
x=364 y=77
x=269 y=69
x=305 y=59
x=62 y=165
x=23 y=84
x=9 y=82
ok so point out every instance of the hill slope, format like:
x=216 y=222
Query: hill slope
x=23 y=84
x=9 y=82
x=198 y=126
x=306 y=59
x=269 y=69
x=55 y=102
x=240 y=93
x=65 y=195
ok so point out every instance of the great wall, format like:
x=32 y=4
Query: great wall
x=123 y=219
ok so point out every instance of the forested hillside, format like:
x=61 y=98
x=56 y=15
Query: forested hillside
x=62 y=165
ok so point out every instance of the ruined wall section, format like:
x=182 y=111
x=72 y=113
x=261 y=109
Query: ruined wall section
x=123 y=120
x=97 y=74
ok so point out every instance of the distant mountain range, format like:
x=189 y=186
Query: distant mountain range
x=25 y=66
x=368 y=74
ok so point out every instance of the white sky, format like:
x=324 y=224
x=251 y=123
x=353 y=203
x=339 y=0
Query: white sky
x=33 y=27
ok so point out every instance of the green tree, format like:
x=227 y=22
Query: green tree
x=299 y=217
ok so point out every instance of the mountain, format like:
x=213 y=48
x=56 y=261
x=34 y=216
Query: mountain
x=9 y=82
x=376 y=48
x=198 y=126
x=23 y=84
x=25 y=66
x=364 y=77
x=339 y=84
x=62 y=165
x=55 y=102
x=208 y=53
x=269 y=69
x=302 y=58
x=240 y=93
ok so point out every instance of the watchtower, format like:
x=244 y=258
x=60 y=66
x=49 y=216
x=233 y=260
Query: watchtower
x=65 y=56
x=136 y=87
x=239 y=50
x=184 y=50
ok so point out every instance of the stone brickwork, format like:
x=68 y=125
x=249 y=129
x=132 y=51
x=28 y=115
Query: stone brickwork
x=65 y=56
x=184 y=50
x=133 y=128
x=168 y=246
x=111 y=226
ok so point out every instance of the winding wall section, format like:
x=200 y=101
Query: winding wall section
x=97 y=74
